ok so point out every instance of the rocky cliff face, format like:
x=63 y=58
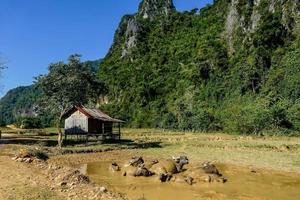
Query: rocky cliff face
x=201 y=70
x=129 y=27
x=149 y=9
x=245 y=16
x=126 y=35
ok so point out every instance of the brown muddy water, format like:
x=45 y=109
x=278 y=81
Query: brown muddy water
x=242 y=184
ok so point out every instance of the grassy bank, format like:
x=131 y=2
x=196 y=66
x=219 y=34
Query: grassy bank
x=272 y=152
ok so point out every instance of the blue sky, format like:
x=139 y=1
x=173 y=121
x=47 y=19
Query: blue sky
x=34 y=33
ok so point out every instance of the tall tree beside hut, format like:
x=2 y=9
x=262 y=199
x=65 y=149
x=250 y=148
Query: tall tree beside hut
x=68 y=84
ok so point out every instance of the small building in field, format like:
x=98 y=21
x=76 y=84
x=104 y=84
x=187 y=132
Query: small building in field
x=83 y=122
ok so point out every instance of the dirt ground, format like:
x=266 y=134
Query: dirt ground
x=22 y=181
x=43 y=181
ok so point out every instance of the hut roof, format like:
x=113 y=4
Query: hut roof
x=91 y=113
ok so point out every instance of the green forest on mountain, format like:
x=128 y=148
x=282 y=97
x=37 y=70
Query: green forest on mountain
x=186 y=72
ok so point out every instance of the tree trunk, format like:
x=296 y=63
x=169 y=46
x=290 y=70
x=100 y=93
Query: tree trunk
x=60 y=134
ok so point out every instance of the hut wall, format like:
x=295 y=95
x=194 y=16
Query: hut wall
x=77 y=123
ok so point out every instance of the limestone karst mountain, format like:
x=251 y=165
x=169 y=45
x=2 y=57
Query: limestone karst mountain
x=230 y=66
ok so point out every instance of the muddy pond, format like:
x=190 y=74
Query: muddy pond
x=242 y=183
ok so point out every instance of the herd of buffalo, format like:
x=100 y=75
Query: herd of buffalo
x=170 y=170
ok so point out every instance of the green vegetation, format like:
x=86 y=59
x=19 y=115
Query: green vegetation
x=28 y=122
x=182 y=75
x=20 y=102
x=68 y=84
x=30 y=102
x=186 y=71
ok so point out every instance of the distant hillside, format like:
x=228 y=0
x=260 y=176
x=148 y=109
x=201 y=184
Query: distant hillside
x=233 y=66
x=17 y=102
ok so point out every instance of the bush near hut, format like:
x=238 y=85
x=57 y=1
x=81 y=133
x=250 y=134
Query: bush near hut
x=28 y=122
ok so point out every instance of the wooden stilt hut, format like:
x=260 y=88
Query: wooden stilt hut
x=83 y=122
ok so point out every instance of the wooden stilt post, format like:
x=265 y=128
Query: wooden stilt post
x=103 y=135
x=119 y=124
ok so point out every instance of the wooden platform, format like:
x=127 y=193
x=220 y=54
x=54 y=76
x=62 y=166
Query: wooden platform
x=113 y=136
x=97 y=136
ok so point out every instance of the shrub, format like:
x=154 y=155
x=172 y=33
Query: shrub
x=28 y=122
x=279 y=115
x=246 y=117
x=293 y=115
x=2 y=122
x=39 y=154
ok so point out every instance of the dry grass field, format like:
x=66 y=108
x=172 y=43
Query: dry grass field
x=271 y=152
x=267 y=154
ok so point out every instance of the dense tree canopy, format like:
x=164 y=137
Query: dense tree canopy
x=68 y=84
x=182 y=74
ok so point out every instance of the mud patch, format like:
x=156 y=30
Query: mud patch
x=243 y=183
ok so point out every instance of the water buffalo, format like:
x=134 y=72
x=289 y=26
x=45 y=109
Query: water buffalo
x=136 y=167
x=207 y=172
x=166 y=168
x=115 y=167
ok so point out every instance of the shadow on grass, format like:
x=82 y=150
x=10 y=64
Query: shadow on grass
x=133 y=144
x=46 y=142
x=29 y=141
